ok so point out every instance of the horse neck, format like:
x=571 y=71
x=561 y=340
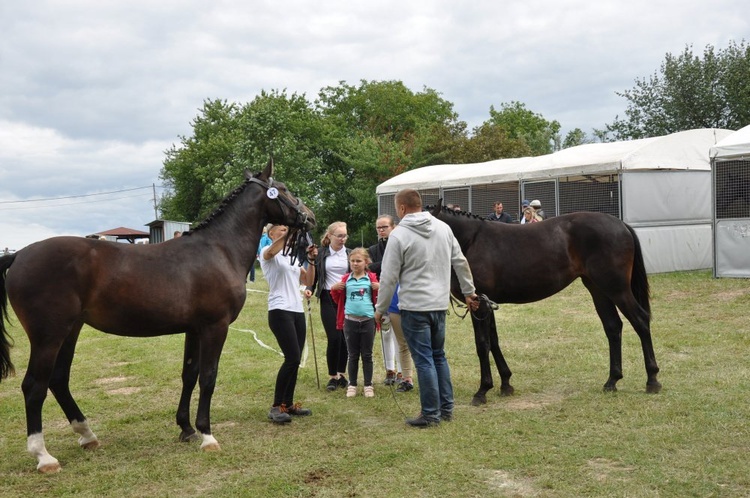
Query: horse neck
x=237 y=230
x=464 y=228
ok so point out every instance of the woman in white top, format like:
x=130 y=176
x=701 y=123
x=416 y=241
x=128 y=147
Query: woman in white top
x=286 y=318
x=331 y=264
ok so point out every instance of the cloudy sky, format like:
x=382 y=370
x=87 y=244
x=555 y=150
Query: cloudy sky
x=92 y=93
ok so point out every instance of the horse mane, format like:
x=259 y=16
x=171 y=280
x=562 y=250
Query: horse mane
x=445 y=209
x=222 y=207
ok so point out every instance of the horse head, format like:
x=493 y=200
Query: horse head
x=284 y=208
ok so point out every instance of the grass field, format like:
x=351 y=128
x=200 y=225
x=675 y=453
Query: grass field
x=560 y=435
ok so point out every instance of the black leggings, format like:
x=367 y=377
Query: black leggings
x=336 y=353
x=289 y=329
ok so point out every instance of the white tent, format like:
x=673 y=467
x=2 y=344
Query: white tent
x=661 y=186
x=730 y=159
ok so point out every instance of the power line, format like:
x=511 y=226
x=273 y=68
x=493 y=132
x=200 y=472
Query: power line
x=47 y=199
x=16 y=208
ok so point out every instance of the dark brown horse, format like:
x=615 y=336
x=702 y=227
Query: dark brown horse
x=527 y=263
x=193 y=284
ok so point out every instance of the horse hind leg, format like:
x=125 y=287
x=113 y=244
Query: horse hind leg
x=34 y=387
x=639 y=319
x=60 y=387
x=612 y=324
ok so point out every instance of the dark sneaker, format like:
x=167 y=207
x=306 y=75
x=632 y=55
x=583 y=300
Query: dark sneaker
x=446 y=416
x=332 y=384
x=390 y=378
x=277 y=416
x=405 y=387
x=296 y=410
x=342 y=382
x=422 y=422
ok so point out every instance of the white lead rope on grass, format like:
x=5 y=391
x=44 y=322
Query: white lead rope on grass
x=262 y=344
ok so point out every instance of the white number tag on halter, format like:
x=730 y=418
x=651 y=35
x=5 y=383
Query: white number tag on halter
x=272 y=193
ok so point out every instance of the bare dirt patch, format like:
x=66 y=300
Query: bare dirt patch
x=604 y=469
x=111 y=380
x=124 y=390
x=531 y=402
x=509 y=485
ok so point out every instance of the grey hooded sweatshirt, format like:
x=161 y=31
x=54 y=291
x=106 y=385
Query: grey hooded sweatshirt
x=419 y=255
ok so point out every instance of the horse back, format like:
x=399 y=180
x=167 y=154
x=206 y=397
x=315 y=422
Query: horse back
x=124 y=289
x=513 y=263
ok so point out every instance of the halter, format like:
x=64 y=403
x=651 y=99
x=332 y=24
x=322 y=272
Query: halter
x=300 y=220
x=272 y=192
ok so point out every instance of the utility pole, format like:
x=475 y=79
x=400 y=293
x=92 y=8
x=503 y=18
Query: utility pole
x=153 y=186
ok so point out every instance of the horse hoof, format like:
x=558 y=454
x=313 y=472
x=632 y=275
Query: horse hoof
x=187 y=438
x=50 y=468
x=479 y=400
x=507 y=391
x=211 y=447
x=653 y=388
x=91 y=445
x=609 y=389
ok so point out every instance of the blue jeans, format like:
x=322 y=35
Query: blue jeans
x=425 y=333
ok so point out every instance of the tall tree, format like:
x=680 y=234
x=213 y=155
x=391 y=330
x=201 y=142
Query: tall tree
x=542 y=136
x=190 y=171
x=689 y=92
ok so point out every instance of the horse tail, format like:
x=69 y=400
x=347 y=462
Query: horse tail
x=6 y=366
x=639 y=278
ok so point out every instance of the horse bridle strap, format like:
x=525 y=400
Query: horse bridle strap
x=301 y=218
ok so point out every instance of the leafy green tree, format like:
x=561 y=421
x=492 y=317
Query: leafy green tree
x=575 y=137
x=689 y=92
x=542 y=136
x=190 y=171
x=379 y=129
x=488 y=142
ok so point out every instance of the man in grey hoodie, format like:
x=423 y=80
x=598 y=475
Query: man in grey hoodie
x=419 y=256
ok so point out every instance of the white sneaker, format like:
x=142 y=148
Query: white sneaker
x=351 y=391
x=369 y=392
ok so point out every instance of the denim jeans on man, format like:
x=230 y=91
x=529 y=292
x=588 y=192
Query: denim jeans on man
x=425 y=333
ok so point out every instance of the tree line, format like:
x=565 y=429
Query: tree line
x=334 y=150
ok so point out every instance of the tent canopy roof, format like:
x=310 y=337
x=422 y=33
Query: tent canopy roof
x=686 y=150
x=734 y=146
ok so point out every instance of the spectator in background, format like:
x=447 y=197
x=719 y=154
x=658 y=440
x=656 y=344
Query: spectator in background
x=391 y=334
x=265 y=241
x=524 y=205
x=331 y=264
x=536 y=205
x=529 y=216
x=499 y=215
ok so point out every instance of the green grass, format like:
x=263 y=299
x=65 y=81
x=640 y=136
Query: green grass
x=560 y=435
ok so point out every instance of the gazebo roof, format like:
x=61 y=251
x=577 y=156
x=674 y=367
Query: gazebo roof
x=122 y=233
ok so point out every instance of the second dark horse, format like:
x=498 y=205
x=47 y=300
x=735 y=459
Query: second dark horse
x=546 y=257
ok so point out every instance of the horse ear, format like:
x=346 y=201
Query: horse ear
x=438 y=207
x=268 y=172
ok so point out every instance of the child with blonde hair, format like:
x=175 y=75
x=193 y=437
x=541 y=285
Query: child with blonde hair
x=356 y=315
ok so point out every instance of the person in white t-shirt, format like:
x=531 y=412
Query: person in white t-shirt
x=286 y=318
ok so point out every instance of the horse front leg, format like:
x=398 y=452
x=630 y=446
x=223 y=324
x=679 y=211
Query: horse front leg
x=190 y=369
x=502 y=367
x=481 y=340
x=211 y=344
